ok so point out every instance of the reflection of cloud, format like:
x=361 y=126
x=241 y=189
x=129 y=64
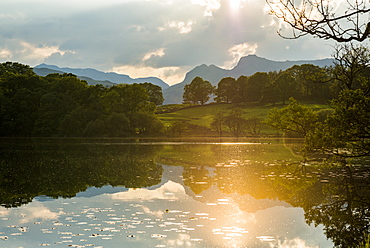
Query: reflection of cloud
x=3 y=212
x=158 y=214
x=37 y=212
x=293 y=243
x=168 y=191
x=183 y=240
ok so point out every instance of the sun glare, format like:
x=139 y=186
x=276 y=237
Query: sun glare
x=235 y=4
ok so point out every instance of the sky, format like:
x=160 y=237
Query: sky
x=141 y=38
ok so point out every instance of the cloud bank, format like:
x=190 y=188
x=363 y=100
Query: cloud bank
x=145 y=37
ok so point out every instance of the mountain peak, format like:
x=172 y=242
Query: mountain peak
x=102 y=76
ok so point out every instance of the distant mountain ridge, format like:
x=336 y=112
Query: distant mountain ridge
x=246 y=66
x=106 y=78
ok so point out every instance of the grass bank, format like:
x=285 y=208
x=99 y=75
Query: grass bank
x=202 y=116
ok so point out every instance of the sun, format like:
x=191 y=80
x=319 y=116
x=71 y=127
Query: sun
x=235 y=4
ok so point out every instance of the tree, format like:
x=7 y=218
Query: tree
x=294 y=117
x=235 y=122
x=118 y=125
x=132 y=98
x=313 y=82
x=343 y=22
x=240 y=90
x=351 y=62
x=145 y=123
x=284 y=86
x=255 y=85
x=198 y=91
x=217 y=122
x=15 y=68
x=253 y=125
x=178 y=127
x=225 y=91
x=154 y=93
x=345 y=132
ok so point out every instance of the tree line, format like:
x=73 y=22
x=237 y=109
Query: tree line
x=345 y=130
x=64 y=105
x=303 y=82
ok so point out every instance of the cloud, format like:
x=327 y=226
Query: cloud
x=183 y=27
x=20 y=50
x=157 y=53
x=152 y=38
x=239 y=51
x=5 y=54
x=168 y=74
x=209 y=5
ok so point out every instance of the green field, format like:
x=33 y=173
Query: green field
x=203 y=115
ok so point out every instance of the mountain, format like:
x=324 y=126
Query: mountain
x=45 y=71
x=99 y=76
x=246 y=66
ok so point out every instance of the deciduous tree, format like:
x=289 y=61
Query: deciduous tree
x=235 y=122
x=294 y=117
x=198 y=91
x=226 y=90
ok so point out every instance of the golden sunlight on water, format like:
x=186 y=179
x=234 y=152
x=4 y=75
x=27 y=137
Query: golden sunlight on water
x=164 y=195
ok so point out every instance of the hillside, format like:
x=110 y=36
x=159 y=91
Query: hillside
x=203 y=115
x=247 y=66
x=100 y=76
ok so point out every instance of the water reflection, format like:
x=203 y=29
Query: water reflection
x=189 y=195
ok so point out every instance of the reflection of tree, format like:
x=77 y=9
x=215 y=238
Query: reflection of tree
x=336 y=198
x=197 y=178
x=64 y=168
x=345 y=211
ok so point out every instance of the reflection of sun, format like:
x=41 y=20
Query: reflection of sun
x=234 y=4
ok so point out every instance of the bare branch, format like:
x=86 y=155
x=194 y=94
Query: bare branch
x=322 y=19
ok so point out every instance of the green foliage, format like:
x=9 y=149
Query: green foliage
x=346 y=131
x=15 y=68
x=198 y=91
x=154 y=93
x=285 y=86
x=365 y=243
x=310 y=82
x=294 y=117
x=144 y=123
x=63 y=105
x=255 y=85
x=226 y=91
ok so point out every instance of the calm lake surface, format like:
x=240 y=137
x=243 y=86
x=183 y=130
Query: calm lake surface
x=146 y=193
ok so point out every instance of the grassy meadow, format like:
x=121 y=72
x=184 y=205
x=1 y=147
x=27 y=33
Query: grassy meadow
x=203 y=115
